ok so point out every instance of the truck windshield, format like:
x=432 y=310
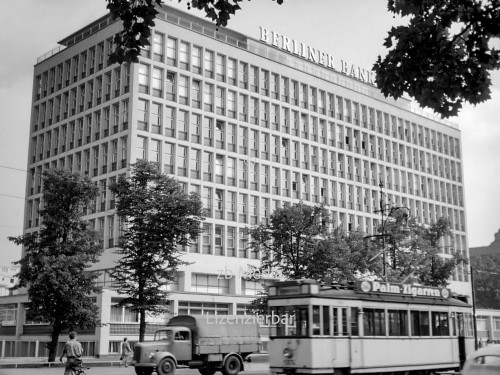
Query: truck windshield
x=164 y=335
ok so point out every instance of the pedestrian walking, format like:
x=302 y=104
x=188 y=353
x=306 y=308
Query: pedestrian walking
x=126 y=352
x=72 y=351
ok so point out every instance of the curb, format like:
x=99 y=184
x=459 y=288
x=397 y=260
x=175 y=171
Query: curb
x=56 y=364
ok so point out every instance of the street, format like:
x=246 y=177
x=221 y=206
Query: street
x=250 y=368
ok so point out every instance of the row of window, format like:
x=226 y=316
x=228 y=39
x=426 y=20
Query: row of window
x=74 y=69
x=81 y=98
x=79 y=132
x=264 y=147
x=238 y=105
x=222 y=68
x=185 y=125
x=245 y=173
x=99 y=159
x=346 y=321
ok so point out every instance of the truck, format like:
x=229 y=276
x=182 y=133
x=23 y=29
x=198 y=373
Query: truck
x=209 y=343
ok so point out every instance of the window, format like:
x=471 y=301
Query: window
x=196 y=94
x=156 y=117
x=209 y=64
x=207 y=228
x=182 y=125
x=157 y=82
x=154 y=151
x=231 y=242
x=208 y=131
x=220 y=68
x=274 y=86
x=219 y=208
x=170 y=86
x=142 y=118
x=231 y=104
x=195 y=164
x=420 y=323
x=398 y=322
x=158 y=48
x=219 y=240
x=196 y=63
x=168 y=158
x=171 y=51
x=184 y=55
x=8 y=314
x=374 y=322
x=243 y=75
x=143 y=78
x=183 y=90
x=123 y=314
x=242 y=107
x=202 y=283
x=208 y=97
x=195 y=128
x=141 y=148
x=169 y=122
x=231 y=171
x=440 y=324
x=231 y=71
x=182 y=154
x=254 y=79
x=220 y=101
x=207 y=166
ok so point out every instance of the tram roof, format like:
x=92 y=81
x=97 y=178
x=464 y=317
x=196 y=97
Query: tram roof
x=351 y=293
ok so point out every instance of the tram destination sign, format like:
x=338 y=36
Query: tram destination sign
x=402 y=289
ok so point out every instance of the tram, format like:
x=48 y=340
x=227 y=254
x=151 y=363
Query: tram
x=371 y=327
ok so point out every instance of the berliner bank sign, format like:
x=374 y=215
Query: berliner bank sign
x=316 y=56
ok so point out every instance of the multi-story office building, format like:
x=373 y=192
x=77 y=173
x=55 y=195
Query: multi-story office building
x=251 y=125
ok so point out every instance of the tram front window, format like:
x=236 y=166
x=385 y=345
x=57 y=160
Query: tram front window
x=294 y=320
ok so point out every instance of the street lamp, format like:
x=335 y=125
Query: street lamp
x=386 y=210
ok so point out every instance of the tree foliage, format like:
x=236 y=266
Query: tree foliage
x=157 y=217
x=486 y=274
x=412 y=251
x=442 y=58
x=54 y=267
x=289 y=242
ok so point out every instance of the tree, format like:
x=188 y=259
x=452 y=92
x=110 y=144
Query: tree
x=54 y=268
x=442 y=58
x=409 y=251
x=485 y=269
x=297 y=243
x=158 y=217
x=289 y=242
x=438 y=67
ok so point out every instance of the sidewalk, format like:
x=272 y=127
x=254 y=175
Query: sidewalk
x=30 y=362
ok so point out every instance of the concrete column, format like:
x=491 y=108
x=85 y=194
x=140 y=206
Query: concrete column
x=102 y=332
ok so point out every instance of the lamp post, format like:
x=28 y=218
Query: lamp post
x=474 y=327
x=383 y=209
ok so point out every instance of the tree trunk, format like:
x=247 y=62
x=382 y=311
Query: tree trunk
x=54 y=339
x=142 y=324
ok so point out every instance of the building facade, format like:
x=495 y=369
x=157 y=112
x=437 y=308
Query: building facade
x=251 y=124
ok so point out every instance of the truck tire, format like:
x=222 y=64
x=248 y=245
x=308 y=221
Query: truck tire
x=232 y=366
x=143 y=370
x=206 y=371
x=166 y=367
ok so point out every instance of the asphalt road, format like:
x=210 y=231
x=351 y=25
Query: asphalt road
x=250 y=368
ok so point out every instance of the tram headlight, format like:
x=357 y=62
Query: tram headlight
x=287 y=353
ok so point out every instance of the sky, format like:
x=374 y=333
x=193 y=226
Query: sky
x=353 y=30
